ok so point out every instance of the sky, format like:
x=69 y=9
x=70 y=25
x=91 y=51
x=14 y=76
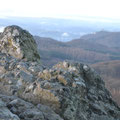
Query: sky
x=60 y=8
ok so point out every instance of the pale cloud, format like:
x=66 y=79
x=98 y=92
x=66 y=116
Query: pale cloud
x=1 y=29
x=60 y=8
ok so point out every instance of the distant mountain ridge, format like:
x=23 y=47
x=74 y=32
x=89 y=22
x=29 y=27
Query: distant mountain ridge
x=59 y=51
x=56 y=27
x=109 y=39
x=85 y=49
x=91 y=46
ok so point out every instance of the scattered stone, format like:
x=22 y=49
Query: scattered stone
x=85 y=67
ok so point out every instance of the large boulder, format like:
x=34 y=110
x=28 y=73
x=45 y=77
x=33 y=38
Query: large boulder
x=5 y=113
x=24 y=110
x=18 y=43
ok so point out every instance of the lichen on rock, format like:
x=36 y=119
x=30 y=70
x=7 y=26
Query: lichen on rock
x=18 y=43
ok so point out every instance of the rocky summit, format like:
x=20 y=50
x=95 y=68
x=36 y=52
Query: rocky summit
x=18 y=43
x=67 y=91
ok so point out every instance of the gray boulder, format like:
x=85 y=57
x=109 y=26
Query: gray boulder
x=5 y=113
x=25 y=110
x=18 y=43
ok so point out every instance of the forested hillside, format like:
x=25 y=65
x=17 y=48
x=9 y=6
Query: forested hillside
x=110 y=71
x=80 y=50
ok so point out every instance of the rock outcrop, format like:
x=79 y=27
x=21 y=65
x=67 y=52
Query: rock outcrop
x=18 y=43
x=67 y=91
x=5 y=113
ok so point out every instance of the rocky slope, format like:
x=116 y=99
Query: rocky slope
x=110 y=72
x=67 y=91
x=109 y=39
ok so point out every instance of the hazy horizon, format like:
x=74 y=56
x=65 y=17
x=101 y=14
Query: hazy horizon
x=62 y=20
x=72 y=9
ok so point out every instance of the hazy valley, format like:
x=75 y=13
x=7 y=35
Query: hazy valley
x=81 y=50
x=61 y=29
